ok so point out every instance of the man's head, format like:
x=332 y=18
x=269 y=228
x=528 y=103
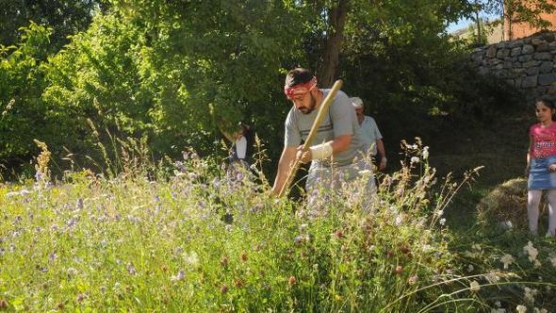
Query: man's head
x=358 y=105
x=298 y=86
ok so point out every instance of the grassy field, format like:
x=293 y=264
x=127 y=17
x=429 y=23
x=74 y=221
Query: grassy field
x=181 y=237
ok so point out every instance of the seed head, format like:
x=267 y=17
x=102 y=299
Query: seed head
x=224 y=288
x=292 y=280
x=224 y=261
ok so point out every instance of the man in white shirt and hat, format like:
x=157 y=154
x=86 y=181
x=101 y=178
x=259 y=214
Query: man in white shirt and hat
x=371 y=135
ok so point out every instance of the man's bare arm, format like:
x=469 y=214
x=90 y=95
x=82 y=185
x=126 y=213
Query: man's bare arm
x=286 y=160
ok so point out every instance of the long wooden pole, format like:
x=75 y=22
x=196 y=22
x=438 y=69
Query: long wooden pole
x=323 y=111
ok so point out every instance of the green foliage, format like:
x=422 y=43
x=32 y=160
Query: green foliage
x=174 y=73
x=64 y=18
x=415 y=80
x=480 y=32
x=21 y=85
x=400 y=66
x=96 y=83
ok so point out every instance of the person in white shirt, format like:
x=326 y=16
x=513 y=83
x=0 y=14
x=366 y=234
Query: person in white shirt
x=372 y=137
x=242 y=149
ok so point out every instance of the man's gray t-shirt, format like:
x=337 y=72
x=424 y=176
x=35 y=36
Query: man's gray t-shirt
x=340 y=120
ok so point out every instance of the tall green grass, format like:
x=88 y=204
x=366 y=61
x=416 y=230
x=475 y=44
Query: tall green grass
x=181 y=236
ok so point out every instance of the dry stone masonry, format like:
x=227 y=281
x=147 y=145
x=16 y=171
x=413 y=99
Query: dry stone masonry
x=528 y=63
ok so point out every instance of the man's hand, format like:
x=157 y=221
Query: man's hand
x=383 y=163
x=304 y=156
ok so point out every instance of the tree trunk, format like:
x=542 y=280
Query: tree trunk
x=478 y=20
x=327 y=71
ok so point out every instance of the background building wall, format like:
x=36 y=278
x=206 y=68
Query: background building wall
x=521 y=30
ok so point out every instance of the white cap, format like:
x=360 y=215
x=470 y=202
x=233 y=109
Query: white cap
x=356 y=102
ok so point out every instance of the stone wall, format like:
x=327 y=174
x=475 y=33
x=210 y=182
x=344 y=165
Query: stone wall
x=528 y=63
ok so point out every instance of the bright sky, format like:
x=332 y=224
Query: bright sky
x=459 y=25
x=465 y=22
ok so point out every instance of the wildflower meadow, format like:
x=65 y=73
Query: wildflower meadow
x=182 y=236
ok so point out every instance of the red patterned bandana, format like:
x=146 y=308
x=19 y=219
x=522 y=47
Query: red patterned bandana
x=300 y=89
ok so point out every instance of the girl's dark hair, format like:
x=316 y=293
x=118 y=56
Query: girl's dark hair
x=548 y=101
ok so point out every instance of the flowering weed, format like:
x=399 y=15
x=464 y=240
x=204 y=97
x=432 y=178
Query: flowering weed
x=192 y=240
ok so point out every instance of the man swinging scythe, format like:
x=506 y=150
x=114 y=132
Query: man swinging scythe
x=325 y=121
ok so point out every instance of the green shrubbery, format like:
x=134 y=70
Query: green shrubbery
x=174 y=75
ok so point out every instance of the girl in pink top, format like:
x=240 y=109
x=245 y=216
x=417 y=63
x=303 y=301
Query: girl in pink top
x=541 y=166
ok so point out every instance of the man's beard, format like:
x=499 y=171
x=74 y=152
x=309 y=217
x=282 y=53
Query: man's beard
x=311 y=108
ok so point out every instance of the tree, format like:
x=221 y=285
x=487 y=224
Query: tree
x=328 y=35
x=324 y=41
x=480 y=31
x=21 y=85
x=65 y=18
x=175 y=72
x=405 y=66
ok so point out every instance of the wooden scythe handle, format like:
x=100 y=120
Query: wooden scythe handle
x=323 y=111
